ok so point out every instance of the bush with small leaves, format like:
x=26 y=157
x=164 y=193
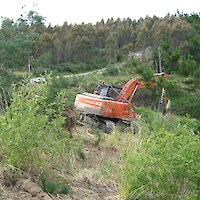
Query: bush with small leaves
x=111 y=71
x=30 y=138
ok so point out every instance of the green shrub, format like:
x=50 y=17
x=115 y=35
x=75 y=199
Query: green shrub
x=187 y=66
x=134 y=62
x=197 y=73
x=63 y=91
x=30 y=138
x=189 y=80
x=184 y=104
x=163 y=164
x=7 y=78
x=89 y=86
x=111 y=71
x=145 y=72
x=51 y=186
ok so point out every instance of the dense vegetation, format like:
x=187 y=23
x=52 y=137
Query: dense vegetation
x=160 y=161
x=62 y=47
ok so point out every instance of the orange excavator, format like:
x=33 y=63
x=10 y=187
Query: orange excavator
x=109 y=105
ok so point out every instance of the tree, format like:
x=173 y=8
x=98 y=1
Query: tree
x=143 y=35
x=35 y=21
x=17 y=43
x=43 y=44
x=194 y=35
x=179 y=32
x=57 y=48
x=111 y=48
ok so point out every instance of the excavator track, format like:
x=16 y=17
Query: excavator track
x=91 y=120
x=107 y=125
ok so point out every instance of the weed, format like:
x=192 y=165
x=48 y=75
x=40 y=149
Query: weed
x=53 y=186
x=81 y=154
x=96 y=131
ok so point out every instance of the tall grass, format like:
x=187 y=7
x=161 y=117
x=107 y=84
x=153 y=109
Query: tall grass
x=162 y=162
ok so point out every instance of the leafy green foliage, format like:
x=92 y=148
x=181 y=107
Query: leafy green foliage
x=190 y=102
x=16 y=43
x=111 y=71
x=163 y=163
x=74 y=48
x=188 y=66
x=194 y=37
x=62 y=91
x=134 y=62
x=7 y=77
x=30 y=137
x=184 y=94
x=145 y=72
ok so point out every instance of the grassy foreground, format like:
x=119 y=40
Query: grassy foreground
x=160 y=161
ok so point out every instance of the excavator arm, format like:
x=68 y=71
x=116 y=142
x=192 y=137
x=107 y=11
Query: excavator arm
x=130 y=88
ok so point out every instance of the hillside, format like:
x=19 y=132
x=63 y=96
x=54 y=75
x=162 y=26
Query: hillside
x=98 y=171
x=86 y=163
x=88 y=180
x=45 y=154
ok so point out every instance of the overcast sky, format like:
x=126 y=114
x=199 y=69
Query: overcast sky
x=91 y=11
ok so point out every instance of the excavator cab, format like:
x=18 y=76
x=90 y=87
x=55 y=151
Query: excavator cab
x=106 y=90
x=102 y=90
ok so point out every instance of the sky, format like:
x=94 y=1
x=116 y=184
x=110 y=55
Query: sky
x=57 y=12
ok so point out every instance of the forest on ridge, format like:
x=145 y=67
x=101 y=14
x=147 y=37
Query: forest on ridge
x=105 y=42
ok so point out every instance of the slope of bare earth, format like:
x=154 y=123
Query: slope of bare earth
x=91 y=178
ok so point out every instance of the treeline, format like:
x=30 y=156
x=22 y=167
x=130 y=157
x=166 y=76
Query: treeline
x=29 y=39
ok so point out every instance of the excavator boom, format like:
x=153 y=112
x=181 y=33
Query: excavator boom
x=130 y=88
